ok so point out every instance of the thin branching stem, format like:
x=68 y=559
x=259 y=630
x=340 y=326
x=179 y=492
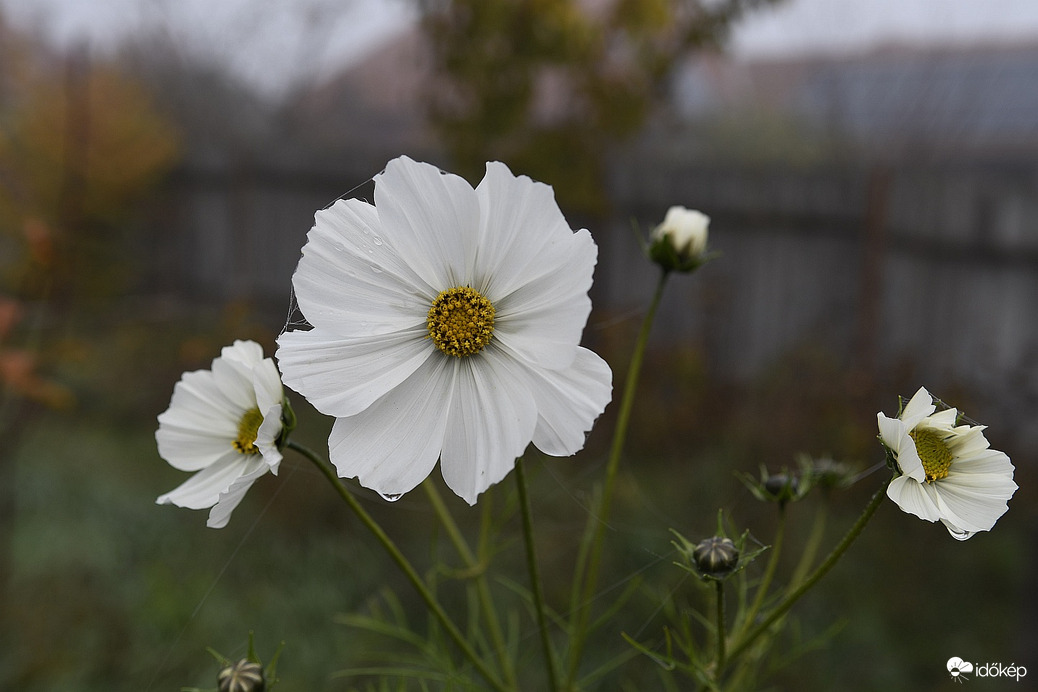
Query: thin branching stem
x=814 y=540
x=535 y=577
x=598 y=519
x=769 y=571
x=722 y=631
x=477 y=567
x=793 y=596
x=403 y=563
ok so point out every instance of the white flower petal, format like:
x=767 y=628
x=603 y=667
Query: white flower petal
x=892 y=431
x=431 y=218
x=569 y=401
x=190 y=448
x=352 y=281
x=230 y=498
x=543 y=319
x=919 y=407
x=197 y=427
x=905 y=452
x=969 y=440
x=267 y=435
x=198 y=397
x=987 y=461
x=234 y=380
x=957 y=533
x=491 y=421
x=911 y=496
x=246 y=352
x=266 y=385
x=519 y=224
x=204 y=488
x=942 y=420
x=341 y=377
x=392 y=445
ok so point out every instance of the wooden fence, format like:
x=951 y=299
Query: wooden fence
x=933 y=266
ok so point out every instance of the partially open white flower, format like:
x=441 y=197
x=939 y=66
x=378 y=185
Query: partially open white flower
x=949 y=473
x=679 y=243
x=225 y=424
x=446 y=325
x=686 y=229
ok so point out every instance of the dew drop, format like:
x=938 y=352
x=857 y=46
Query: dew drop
x=392 y=497
x=376 y=269
x=377 y=240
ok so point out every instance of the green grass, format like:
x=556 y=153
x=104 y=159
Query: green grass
x=107 y=591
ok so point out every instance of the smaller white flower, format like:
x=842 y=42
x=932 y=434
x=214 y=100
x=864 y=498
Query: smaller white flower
x=224 y=423
x=949 y=473
x=686 y=230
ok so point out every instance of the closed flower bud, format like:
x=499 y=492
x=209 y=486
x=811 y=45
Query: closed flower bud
x=827 y=473
x=782 y=487
x=716 y=557
x=679 y=243
x=243 y=676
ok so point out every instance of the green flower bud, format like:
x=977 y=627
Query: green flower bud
x=827 y=473
x=243 y=676
x=782 y=487
x=716 y=557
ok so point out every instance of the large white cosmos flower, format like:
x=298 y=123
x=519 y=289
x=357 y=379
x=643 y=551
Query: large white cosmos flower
x=224 y=423
x=446 y=325
x=949 y=473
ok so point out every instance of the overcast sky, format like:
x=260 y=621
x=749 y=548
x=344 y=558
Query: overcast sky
x=270 y=41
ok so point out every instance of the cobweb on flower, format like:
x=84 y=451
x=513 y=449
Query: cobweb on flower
x=657 y=555
x=295 y=320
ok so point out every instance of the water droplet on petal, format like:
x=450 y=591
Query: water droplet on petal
x=376 y=269
x=377 y=240
x=393 y=497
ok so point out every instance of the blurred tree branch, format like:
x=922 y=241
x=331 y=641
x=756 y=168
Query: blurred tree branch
x=550 y=86
x=82 y=143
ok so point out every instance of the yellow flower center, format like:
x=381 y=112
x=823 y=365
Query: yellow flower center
x=248 y=429
x=461 y=321
x=933 y=452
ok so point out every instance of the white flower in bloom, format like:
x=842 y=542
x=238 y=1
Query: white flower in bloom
x=948 y=471
x=686 y=229
x=446 y=325
x=224 y=423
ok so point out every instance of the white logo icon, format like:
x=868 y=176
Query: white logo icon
x=958 y=668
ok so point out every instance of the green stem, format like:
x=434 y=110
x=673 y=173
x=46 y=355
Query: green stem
x=402 y=562
x=535 y=578
x=769 y=572
x=811 y=547
x=598 y=519
x=476 y=567
x=721 y=630
x=793 y=596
